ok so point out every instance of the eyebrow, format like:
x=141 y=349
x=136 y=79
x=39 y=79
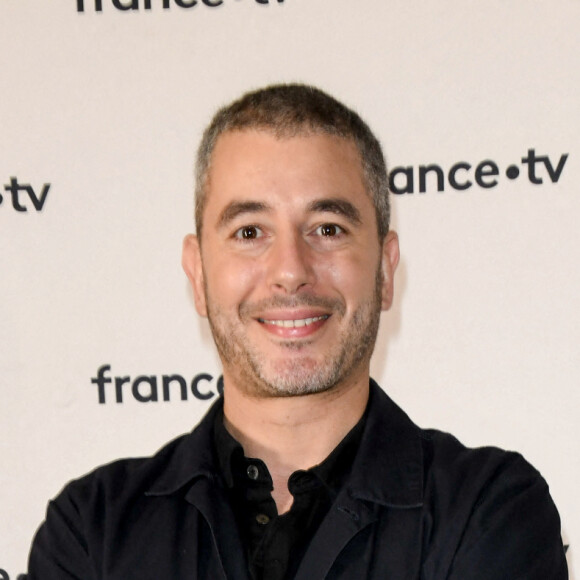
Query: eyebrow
x=326 y=205
x=337 y=206
x=237 y=208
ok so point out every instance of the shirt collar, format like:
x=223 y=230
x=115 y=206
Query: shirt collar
x=331 y=472
x=387 y=469
x=187 y=458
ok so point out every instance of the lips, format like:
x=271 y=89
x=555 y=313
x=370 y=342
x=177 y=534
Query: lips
x=288 y=325
x=294 y=323
x=293 y=317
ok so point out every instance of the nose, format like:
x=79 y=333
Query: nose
x=290 y=267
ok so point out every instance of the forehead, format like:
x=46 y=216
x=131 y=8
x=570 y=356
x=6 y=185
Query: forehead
x=253 y=163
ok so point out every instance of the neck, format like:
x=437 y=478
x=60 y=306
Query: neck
x=291 y=433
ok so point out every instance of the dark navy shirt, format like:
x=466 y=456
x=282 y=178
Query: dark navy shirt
x=274 y=544
x=416 y=504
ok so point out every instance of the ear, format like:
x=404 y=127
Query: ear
x=191 y=262
x=389 y=260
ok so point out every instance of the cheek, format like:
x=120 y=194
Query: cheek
x=231 y=282
x=354 y=277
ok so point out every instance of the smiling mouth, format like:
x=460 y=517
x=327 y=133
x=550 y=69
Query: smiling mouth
x=294 y=323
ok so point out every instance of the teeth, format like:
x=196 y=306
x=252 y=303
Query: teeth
x=294 y=323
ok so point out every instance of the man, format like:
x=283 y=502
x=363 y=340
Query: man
x=304 y=469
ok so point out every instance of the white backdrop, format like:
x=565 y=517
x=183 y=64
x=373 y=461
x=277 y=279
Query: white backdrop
x=101 y=112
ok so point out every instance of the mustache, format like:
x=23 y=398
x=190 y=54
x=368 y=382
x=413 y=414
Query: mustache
x=252 y=309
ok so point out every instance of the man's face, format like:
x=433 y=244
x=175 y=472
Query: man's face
x=290 y=270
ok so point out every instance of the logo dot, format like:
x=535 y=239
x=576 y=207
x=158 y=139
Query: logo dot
x=512 y=172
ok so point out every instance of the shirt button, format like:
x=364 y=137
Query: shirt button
x=252 y=472
x=262 y=519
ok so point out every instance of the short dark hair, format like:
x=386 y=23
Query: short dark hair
x=289 y=110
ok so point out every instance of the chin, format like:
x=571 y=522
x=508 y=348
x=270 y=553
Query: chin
x=297 y=378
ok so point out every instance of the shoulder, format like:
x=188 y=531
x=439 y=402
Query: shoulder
x=487 y=509
x=169 y=469
x=94 y=511
x=124 y=476
x=447 y=461
x=108 y=494
x=462 y=483
x=444 y=461
x=436 y=457
x=484 y=512
x=90 y=508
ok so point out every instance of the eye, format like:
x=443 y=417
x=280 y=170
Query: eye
x=329 y=230
x=248 y=233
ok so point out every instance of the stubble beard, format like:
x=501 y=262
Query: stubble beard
x=259 y=375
